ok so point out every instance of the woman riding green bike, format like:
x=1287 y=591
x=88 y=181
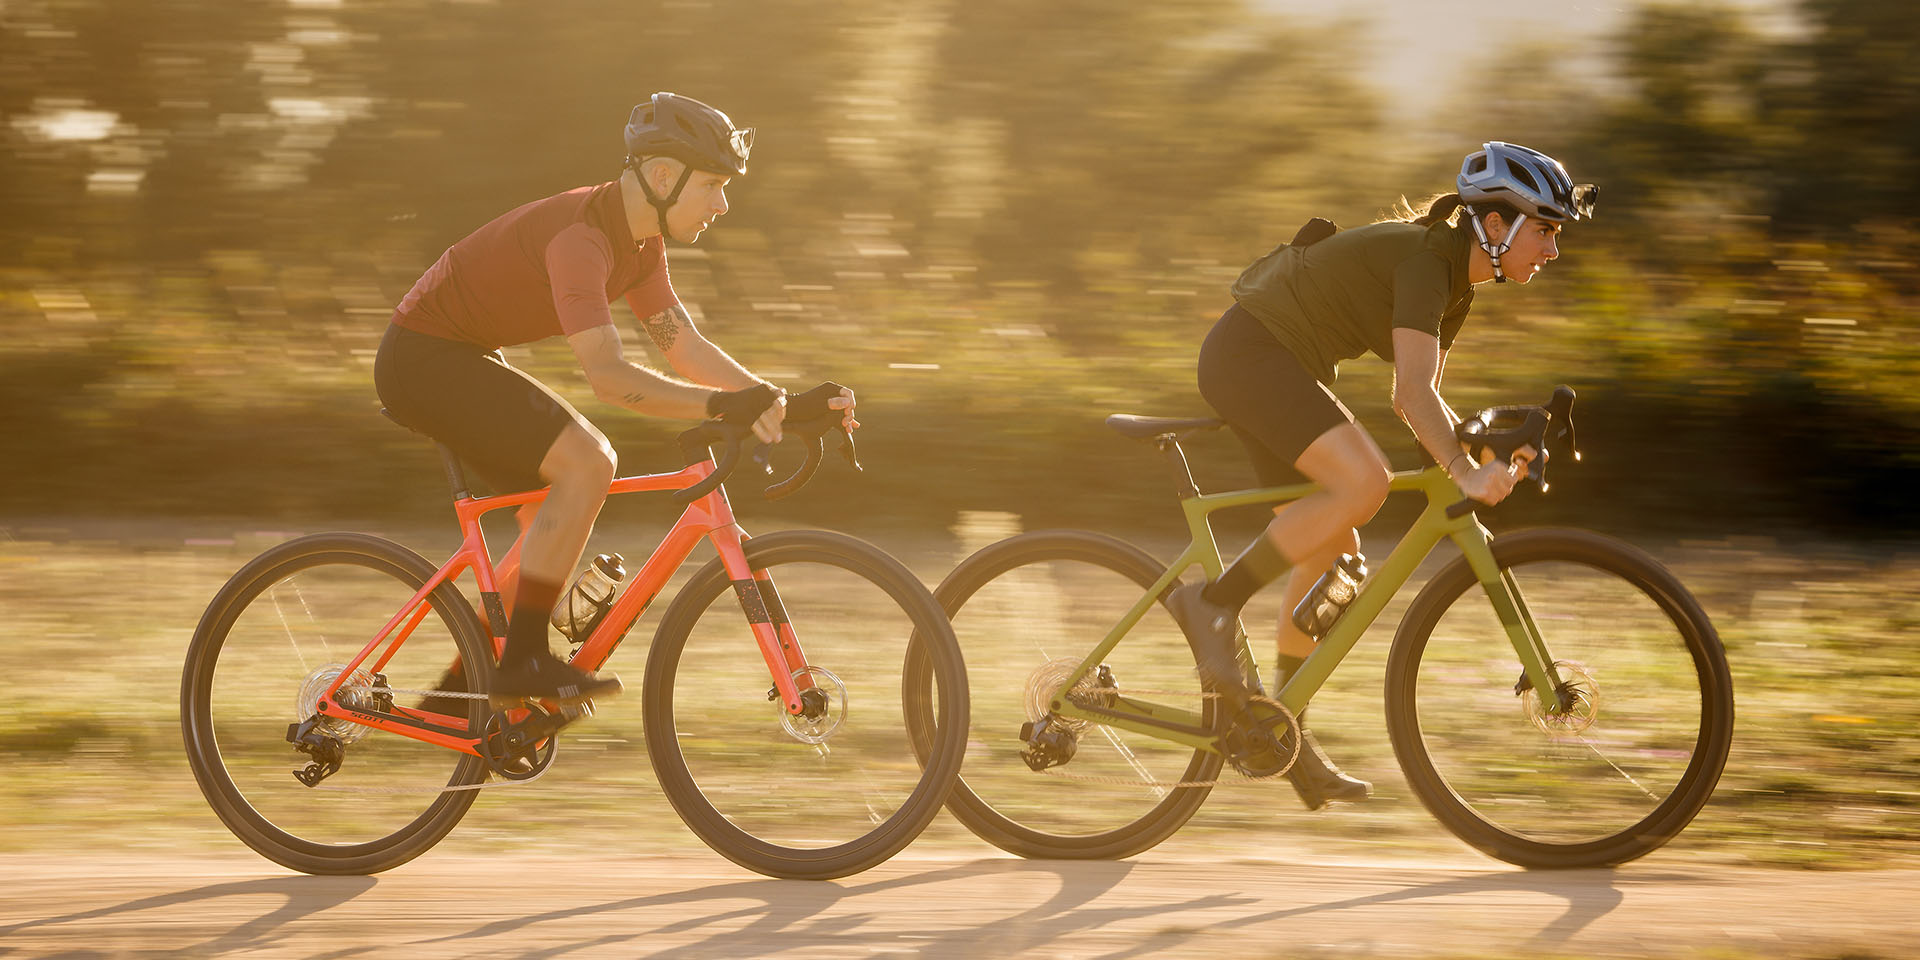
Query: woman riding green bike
x=1400 y=289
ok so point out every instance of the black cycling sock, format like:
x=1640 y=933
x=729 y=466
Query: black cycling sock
x=1284 y=667
x=527 y=627
x=1261 y=564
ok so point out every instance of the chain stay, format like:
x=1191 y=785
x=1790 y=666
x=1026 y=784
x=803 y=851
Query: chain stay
x=1180 y=784
x=482 y=785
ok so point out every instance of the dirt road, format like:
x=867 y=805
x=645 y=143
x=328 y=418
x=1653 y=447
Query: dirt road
x=989 y=907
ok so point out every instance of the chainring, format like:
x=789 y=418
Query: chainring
x=511 y=751
x=1254 y=748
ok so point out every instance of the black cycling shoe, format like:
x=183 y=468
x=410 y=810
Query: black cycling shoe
x=544 y=676
x=1211 y=630
x=1318 y=781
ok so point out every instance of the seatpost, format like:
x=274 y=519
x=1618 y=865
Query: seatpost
x=456 y=477
x=1183 y=487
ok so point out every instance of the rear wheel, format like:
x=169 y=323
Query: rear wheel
x=1026 y=611
x=1611 y=779
x=270 y=643
x=818 y=796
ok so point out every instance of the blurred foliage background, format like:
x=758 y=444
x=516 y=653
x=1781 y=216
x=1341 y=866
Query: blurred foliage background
x=999 y=221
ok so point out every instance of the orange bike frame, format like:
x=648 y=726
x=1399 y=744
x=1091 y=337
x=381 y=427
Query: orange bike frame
x=710 y=516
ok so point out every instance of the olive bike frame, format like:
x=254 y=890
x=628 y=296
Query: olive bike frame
x=709 y=517
x=1185 y=726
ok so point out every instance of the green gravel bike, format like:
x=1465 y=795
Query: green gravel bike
x=1094 y=738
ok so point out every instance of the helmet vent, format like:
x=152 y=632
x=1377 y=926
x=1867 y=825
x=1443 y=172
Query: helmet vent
x=1520 y=173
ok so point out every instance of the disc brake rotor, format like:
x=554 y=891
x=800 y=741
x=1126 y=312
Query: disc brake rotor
x=824 y=706
x=1583 y=691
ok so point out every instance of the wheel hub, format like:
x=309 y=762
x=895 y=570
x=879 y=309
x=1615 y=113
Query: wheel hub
x=1578 y=690
x=355 y=693
x=823 y=706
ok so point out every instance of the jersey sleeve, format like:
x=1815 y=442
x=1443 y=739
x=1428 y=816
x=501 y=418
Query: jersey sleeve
x=654 y=293
x=578 y=262
x=1420 y=288
x=1454 y=319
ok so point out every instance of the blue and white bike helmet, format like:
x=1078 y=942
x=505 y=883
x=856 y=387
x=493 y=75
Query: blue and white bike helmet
x=1527 y=180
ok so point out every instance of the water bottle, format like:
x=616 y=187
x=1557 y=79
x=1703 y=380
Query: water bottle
x=590 y=597
x=1330 y=595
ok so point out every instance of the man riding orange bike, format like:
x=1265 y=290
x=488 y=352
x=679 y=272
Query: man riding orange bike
x=552 y=268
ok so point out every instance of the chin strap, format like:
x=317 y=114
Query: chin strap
x=1494 y=250
x=662 y=204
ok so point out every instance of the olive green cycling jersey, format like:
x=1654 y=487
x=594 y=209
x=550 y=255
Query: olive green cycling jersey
x=1345 y=295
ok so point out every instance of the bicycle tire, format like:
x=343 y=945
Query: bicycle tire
x=1120 y=573
x=372 y=577
x=1561 y=798
x=836 y=590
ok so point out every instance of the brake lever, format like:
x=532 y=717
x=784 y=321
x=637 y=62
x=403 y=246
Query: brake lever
x=847 y=450
x=814 y=431
x=1541 y=427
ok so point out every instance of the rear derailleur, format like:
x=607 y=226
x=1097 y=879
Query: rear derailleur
x=327 y=752
x=1051 y=741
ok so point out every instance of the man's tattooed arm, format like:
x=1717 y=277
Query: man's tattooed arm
x=665 y=327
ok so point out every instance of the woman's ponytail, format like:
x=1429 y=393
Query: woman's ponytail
x=1440 y=209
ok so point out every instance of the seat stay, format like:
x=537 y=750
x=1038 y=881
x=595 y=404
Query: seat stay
x=1128 y=620
x=413 y=611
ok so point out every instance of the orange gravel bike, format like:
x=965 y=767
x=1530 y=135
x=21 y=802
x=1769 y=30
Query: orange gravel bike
x=1096 y=740
x=328 y=731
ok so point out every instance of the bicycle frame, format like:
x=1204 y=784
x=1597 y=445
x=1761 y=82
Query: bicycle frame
x=1433 y=525
x=710 y=517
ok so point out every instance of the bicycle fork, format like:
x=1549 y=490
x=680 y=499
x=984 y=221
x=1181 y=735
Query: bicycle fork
x=767 y=618
x=1539 y=672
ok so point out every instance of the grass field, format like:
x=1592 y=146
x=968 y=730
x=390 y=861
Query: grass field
x=1825 y=770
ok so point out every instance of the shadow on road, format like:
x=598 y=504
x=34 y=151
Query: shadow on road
x=305 y=896
x=1006 y=907
x=1590 y=895
x=781 y=912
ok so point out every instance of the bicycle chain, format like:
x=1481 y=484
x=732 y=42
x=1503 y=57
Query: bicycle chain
x=1179 y=784
x=482 y=785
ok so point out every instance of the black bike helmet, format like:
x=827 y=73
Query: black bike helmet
x=670 y=125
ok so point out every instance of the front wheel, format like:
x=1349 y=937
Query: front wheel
x=831 y=792
x=1610 y=779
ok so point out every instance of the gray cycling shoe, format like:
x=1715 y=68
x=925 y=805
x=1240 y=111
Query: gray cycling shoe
x=1211 y=630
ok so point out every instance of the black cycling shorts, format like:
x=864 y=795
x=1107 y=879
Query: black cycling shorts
x=1259 y=387
x=497 y=418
